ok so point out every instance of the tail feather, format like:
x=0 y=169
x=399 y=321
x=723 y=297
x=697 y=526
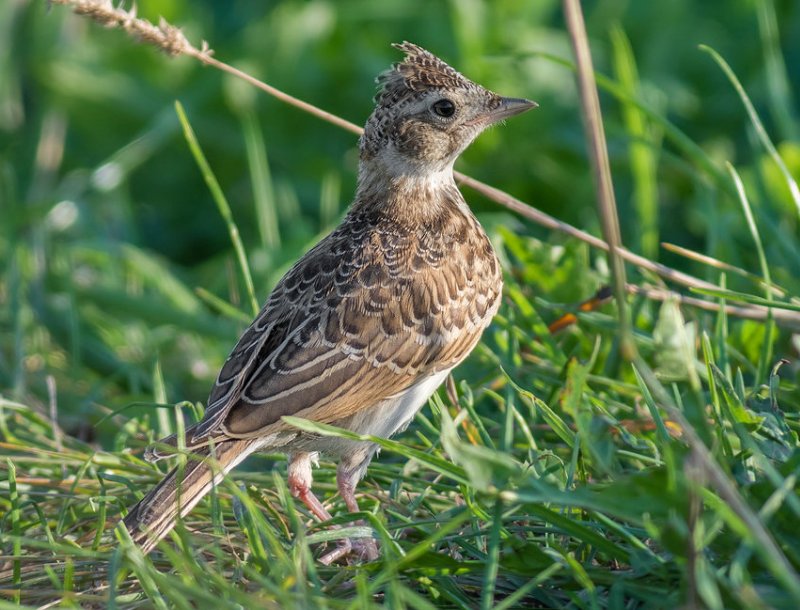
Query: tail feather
x=155 y=514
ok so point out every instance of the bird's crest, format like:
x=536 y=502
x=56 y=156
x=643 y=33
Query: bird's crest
x=420 y=70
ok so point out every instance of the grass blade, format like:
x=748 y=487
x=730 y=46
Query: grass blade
x=261 y=182
x=222 y=204
x=16 y=531
x=765 y=363
x=757 y=124
x=493 y=557
x=643 y=146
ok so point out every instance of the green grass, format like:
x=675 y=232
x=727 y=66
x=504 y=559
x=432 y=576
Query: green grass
x=561 y=475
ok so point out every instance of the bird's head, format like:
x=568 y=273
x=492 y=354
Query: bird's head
x=426 y=114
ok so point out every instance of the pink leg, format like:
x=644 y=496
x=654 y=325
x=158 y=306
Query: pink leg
x=299 y=479
x=348 y=491
x=366 y=547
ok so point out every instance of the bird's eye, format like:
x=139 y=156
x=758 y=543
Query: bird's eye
x=444 y=108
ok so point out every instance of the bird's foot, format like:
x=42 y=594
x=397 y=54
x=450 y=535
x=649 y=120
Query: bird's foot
x=343 y=549
x=359 y=549
x=365 y=549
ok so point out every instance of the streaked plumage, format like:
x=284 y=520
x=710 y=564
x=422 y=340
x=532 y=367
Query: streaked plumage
x=365 y=326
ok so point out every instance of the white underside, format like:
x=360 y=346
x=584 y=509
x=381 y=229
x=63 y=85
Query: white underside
x=383 y=420
x=391 y=415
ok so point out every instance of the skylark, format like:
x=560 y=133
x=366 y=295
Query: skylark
x=364 y=327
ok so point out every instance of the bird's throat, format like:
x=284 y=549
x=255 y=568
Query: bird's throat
x=416 y=196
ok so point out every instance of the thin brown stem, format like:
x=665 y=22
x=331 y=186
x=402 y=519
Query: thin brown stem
x=723 y=266
x=787 y=319
x=549 y=222
x=277 y=93
x=601 y=169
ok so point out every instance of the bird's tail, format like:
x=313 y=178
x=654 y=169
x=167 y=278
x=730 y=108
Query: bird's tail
x=180 y=490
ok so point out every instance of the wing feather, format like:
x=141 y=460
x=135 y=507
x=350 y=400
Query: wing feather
x=363 y=316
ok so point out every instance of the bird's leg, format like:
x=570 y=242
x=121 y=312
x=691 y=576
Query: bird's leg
x=299 y=479
x=346 y=479
x=347 y=475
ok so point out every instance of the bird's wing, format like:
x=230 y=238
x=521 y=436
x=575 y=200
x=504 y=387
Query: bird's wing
x=360 y=318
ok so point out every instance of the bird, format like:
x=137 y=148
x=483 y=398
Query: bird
x=364 y=327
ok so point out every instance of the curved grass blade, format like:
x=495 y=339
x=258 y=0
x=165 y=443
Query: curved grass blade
x=222 y=204
x=759 y=126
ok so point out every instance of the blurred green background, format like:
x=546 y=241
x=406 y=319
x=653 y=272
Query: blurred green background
x=107 y=228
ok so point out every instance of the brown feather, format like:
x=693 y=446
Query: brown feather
x=179 y=491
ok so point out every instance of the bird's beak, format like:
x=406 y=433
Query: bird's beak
x=509 y=106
